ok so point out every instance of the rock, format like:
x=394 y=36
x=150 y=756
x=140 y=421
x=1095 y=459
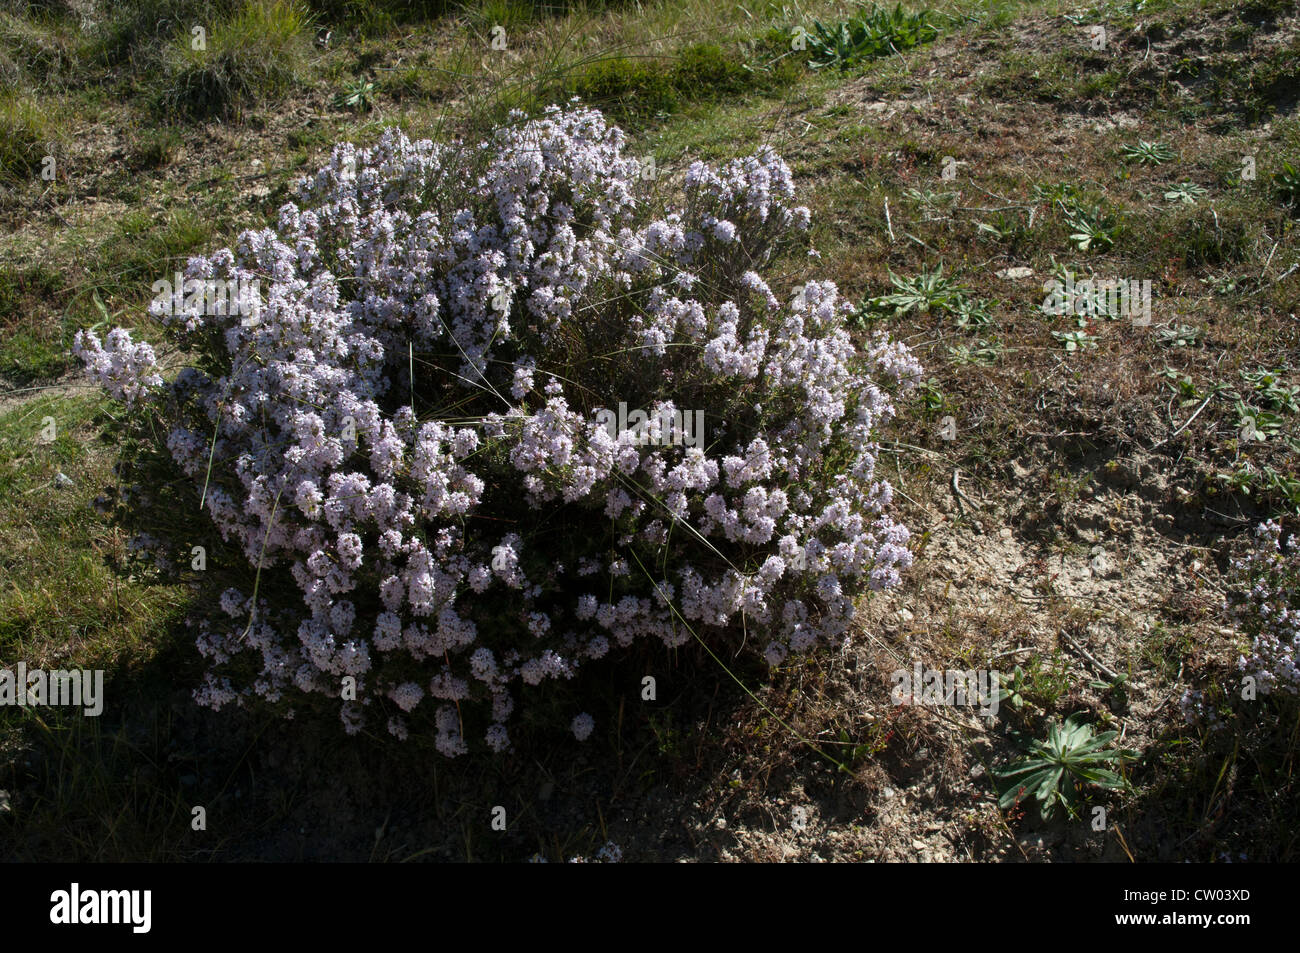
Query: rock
x=1118 y=475
x=1020 y=271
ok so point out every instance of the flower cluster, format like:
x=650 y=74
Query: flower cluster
x=1200 y=711
x=124 y=368
x=611 y=853
x=407 y=447
x=1265 y=605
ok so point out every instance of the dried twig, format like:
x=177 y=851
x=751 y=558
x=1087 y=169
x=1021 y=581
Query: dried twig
x=955 y=485
x=1087 y=655
x=1186 y=425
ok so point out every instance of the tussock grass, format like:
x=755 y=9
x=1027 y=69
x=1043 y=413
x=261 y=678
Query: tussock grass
x=28 y=133
x=35 y=51
x=256 y=55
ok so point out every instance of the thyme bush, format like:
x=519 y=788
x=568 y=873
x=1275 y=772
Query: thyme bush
x=408 y=435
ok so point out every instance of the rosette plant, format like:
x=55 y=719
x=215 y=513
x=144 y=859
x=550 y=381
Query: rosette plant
x=405 y=444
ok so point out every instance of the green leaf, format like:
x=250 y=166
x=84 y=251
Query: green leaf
x=99 y=304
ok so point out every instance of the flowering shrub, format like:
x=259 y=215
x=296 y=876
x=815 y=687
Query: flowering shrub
x=406 y=442
x=1263 y=602
x=1265 y=605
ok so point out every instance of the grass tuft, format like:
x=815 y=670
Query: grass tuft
x=27 y=134
x=255 y=56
